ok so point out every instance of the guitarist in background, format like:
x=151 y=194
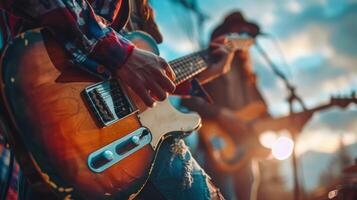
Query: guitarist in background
x=230 y=93
x=89 y=29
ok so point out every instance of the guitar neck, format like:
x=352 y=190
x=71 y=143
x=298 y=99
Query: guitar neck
x=322 y=107
x=189 y=66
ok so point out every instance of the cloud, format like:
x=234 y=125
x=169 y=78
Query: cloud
x=317 y=64
x=294 y=6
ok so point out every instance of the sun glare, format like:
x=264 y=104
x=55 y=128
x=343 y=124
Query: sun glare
x=282 y=148
x=268 y=138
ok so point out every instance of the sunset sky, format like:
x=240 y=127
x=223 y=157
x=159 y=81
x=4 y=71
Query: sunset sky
x=319 y=43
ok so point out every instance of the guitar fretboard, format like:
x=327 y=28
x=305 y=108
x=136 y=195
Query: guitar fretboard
x=189 y=66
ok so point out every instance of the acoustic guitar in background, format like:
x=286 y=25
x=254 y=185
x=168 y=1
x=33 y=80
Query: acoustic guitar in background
x=229 y=154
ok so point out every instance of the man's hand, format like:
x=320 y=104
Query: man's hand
x=148 y=75
x=223 y=57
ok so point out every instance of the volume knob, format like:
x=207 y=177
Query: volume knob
x=102 y=159
x=108 y=155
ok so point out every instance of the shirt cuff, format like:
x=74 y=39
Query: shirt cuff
x=112 y=51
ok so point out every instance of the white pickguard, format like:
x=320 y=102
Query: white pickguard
x=164 y=118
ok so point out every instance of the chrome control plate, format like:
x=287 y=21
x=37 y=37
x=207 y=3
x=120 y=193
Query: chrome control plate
x=116 y=151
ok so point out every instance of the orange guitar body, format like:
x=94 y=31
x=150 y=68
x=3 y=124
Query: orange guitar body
x=225 y=152
x=43 y=94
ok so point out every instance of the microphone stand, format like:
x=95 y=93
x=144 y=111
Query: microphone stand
x=291 y=98
x=201 y=17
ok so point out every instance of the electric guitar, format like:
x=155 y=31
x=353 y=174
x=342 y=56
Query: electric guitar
x=87 y=138
x=227 y=154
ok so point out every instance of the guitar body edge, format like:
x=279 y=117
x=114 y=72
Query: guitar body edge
x=221 y=147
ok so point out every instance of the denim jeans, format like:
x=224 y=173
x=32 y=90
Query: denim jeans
x=177 y=175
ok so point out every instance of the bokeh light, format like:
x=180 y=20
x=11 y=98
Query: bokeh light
x=282 y=148
x=268 y=138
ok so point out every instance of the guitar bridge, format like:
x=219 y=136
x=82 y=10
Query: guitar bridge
x=108 y=102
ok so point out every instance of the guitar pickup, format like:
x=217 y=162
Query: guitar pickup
x=108 y=102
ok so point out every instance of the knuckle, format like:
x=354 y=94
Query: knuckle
x=151 y=102
x=163 y=80
x=160 y=59
x=162 y=96
x=163 y=63
x=147 y=99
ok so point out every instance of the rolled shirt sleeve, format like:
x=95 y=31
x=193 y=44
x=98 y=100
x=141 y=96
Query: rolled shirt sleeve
x=75 y=24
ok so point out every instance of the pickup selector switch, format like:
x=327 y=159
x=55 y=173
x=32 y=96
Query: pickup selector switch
x=136 y=140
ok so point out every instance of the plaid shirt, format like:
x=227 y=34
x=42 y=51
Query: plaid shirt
x=4 y=172
x=84 y=27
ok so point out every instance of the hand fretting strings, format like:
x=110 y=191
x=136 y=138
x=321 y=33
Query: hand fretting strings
x=190 y=65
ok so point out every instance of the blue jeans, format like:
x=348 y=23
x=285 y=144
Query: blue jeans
x=177 y=175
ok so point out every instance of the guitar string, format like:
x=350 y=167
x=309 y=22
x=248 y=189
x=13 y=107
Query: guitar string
x=189 y=74
x=115 y=102
x=185 y=73
x=181 y=76
x=180 y=68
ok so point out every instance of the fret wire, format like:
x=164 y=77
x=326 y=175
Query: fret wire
x=182 y=72
x=181 y=65
x=182 y=69
x=188 y=68
x=178 y=81
x=188 y=72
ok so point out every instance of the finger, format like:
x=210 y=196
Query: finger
x=215 y=45
x=143 y=93
x=220 y=52
x=168 y=70
x=155 y=89
x=170 y=73
x=221 y=39
x=163 y=80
